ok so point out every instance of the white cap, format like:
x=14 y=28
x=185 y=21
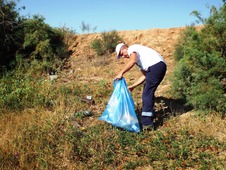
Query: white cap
x=118 y=48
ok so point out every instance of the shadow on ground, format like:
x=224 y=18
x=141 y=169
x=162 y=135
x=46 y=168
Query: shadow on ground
x=166 y=108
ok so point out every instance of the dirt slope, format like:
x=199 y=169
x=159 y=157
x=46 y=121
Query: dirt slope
x=162 y=40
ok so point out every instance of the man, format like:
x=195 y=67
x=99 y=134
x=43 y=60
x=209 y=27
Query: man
x=153 y=68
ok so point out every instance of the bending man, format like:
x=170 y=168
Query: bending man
x=153 y=68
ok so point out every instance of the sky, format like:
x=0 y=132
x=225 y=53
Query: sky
x=109 y=15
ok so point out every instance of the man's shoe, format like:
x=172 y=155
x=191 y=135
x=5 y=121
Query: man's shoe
x=147 y=123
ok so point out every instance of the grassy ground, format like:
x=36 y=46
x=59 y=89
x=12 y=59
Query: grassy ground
x=58 y=138
x=46 y=140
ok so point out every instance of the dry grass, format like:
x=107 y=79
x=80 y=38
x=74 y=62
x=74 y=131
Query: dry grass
x=42 y=138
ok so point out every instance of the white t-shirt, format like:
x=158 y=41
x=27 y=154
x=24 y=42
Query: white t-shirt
x=146 y=56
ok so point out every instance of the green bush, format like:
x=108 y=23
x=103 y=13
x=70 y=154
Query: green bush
x=201 y=64
x=188 y=39
x=18 y=91
x=41 y=40
x=106 y=44
x=43 y=43
x=30 y=39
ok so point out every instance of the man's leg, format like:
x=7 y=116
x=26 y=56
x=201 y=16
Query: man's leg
x=154 y=76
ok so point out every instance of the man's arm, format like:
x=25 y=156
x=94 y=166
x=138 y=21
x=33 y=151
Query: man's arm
x=139 y=81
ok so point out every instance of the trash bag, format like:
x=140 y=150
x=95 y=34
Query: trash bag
x=120 y=110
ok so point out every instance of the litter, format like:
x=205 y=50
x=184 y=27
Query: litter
x=88 y=99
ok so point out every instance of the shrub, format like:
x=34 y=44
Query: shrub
x=201 y=64
x=29 y=38
x=43 y=43
x=106 y=45
x=19 y=91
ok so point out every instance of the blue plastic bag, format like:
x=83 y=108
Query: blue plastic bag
x=120 y=110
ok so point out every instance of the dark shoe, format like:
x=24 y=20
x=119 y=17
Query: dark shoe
x=147 y=123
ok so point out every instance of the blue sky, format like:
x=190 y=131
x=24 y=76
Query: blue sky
x=108 y=15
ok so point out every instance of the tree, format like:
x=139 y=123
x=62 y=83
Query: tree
x=214 y=32
x=86 y=27
x=31 y=39
x=10 y=35
x=43 y=43
x=201 y=68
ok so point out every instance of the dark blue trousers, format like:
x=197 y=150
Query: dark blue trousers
x=154 y=76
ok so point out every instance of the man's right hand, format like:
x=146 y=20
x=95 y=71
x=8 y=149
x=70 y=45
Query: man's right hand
x=131 y=88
